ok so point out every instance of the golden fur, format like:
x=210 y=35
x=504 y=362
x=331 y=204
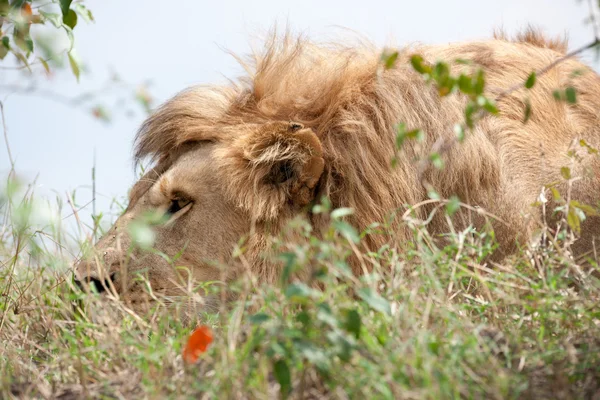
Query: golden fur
x=320 y=120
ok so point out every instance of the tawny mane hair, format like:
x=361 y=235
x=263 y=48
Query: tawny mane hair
x=354 y=105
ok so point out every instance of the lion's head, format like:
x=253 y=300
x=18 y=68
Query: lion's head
x=231 y=163
x=210 y=193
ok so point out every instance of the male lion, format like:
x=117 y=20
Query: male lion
x=313 y=121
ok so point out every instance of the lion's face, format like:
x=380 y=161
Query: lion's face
x=210 y=194
x=201 y=228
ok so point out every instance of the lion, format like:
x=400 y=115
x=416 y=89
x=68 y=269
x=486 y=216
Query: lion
x=313 y=121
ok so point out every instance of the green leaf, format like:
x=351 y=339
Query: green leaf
x=590 y=149
x=389 y=60
x=571 y=95
x=573 y=220
x=64 y=6
x=289 y=265
x=469 y=111
x=282 y=374
x=23 y=59
x=313 y=354
x=17 y=4
x=419 y=64
x=259 y=318
x=141 y=234
x=417 y=134
x=441 y=74
x=341 y=212
x=298 y=291
x=530 y=80
x=555 y=193
x=55 y=19
x=459 y=131
x=557 y=94
x=441 y=69
x=84 y=12
x=276 y=349
x=325 y=315
x=402 y=134
x=565 y=172
x=29 y=44
x=432 y=194
x=464 y=84
x=303 y=317
x=346 y=230
x=374 y=300
x=342 y=348
x=70 y=19
x=22 y=39
x=4 y=8
x=463 y=61
x=44 y=64
x=5 y=47
x=434 y=347
x=453 y=205
x=154 y=217
x=436 y=160
x=489 y=105
x=479 y=85
x=74 y=64
x=587 y=209
x=527 y=113
x=353 y=322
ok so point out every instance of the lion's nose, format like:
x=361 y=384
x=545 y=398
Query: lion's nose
x=99 y=285
x=87 y=276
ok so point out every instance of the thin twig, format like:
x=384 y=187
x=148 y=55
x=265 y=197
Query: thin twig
x=75 y=101
x=11 y=280
x=79 y=209
x=70 y=201
x=548 y=67
x=94 y=215
x=443 y=145
x=29 y=64
x=10 y=157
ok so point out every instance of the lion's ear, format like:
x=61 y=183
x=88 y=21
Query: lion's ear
x=281 y=163
x=289 y=157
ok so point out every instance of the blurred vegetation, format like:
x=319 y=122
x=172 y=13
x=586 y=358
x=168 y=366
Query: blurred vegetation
x=38 y=39
x=17 y=19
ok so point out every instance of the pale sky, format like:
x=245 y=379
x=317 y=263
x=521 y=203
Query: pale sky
x=178 y=44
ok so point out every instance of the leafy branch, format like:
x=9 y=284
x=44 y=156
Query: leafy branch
x=478 y=105
x=537 y=74
x=16 y=19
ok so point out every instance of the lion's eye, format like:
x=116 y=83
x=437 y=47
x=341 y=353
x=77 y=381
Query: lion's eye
x=177 y=205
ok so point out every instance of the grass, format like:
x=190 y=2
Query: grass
x=428 y=322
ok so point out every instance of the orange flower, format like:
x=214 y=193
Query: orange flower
x=197 y=343
x=26 y=9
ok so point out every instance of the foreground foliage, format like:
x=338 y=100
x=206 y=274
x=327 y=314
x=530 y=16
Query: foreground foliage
x=423 y=322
